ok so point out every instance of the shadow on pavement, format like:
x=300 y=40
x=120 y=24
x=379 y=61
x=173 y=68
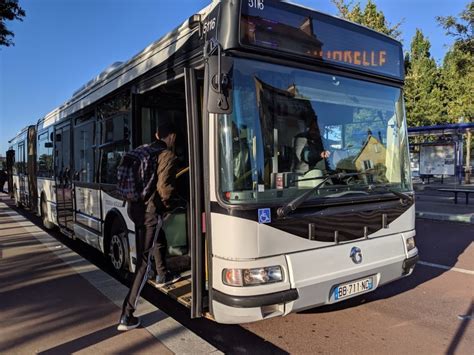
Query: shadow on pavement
x=230 y=339
x=466 y=319
x=83 y=342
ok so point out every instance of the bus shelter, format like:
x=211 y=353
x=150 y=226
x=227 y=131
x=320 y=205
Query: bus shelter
x=439 y=150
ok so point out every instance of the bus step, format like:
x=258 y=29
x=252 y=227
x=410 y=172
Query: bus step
x=67 y=232
x=185 y=300
x=179 y=290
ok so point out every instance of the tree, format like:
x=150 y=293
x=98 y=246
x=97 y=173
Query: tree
x=424 y=96
x=458 y=64
x=461 y=29
x=458 y=72
x=370 y=17
x=9 y=11
x=458 y=81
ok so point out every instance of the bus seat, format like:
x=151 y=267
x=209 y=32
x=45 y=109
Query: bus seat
x=174 y=226
x=313 y=173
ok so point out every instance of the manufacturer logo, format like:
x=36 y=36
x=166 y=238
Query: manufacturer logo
x=356 y=255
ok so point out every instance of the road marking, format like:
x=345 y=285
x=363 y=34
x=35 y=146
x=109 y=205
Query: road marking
x=450 y=268
x=167 y=330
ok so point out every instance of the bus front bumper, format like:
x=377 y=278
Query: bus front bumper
x=255 y=301
x=231 y=309
x=409 y=264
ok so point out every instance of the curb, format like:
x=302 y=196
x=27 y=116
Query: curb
x=165 y=329
x=459 y=218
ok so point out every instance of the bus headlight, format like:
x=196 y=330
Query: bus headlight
x=410 y=243
x=252 y=277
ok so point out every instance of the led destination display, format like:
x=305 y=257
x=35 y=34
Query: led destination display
x=284 y=27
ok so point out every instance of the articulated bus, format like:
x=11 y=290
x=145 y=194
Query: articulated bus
x=272 y=224
x=22 y=172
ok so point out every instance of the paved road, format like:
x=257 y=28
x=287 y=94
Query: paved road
x=417 y=315
x=427 y=313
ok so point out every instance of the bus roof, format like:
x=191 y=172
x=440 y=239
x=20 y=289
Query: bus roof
x=108 y=80
x=19 y=134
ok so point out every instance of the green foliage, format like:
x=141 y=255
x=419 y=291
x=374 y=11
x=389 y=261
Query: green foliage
x=458 y=65
x=461 y=29
x=370 y=16
x=9 y=11
x=433 y=95
x=458 y=81
x=423 y=93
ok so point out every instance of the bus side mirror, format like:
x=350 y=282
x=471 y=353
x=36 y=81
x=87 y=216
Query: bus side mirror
x=219 y=78
x=48 y=145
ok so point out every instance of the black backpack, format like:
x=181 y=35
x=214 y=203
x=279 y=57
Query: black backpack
x=136 y=173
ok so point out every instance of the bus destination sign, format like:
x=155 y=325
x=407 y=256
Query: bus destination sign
x=289 y=28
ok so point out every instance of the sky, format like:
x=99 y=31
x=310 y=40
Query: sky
x=62 y=44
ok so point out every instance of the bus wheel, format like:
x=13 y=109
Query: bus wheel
x=118 y=250
x=44 y=215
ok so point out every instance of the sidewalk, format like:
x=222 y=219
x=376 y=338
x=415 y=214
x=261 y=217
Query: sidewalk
x=438 y=205
x=55 y=302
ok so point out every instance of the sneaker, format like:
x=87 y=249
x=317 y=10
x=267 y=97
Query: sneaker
x=128 y=322
x=167 y=278
x=151 y=275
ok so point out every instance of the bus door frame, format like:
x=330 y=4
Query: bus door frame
x=10 y=163
x=31 y=169
x=196 y=202
x=22 y=147
x=64 y=191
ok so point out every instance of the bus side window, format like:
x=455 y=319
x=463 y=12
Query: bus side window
x=114 y=134
x=110 y=160
x=84 y=143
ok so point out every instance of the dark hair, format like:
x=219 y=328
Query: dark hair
x=165 y=129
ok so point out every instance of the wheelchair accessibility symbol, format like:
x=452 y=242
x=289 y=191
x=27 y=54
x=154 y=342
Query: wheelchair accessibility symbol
x=264 y=215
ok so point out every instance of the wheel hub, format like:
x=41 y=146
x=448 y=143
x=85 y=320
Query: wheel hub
x=116 y=252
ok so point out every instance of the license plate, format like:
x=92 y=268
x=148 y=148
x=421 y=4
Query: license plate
x=353 y=288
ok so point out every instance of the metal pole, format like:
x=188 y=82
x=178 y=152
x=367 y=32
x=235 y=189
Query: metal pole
x=467 y=176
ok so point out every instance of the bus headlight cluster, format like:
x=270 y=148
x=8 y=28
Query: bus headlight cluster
x=410 y=243
x=252 y=277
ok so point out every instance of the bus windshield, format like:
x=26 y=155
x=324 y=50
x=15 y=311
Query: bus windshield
x=290 y=127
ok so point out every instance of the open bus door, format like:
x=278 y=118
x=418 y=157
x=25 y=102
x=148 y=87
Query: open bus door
x=21 y=194
x=178 y=101
x=196 y=202
x=10 y=162
x=63 y=176
x=31 y=169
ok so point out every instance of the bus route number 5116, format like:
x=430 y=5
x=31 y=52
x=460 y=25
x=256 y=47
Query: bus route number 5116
x=256 y=4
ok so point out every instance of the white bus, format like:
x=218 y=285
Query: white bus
x=22 y=171
x=293 y=157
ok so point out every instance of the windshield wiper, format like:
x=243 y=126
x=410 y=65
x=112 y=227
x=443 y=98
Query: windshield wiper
x=403 y=197
x=284 y=210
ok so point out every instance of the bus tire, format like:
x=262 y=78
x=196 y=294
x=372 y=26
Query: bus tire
x=44 y=214
x=117 y=247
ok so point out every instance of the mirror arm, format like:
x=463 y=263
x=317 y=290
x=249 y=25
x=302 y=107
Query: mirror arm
x=219 y=81
x=219 y=64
